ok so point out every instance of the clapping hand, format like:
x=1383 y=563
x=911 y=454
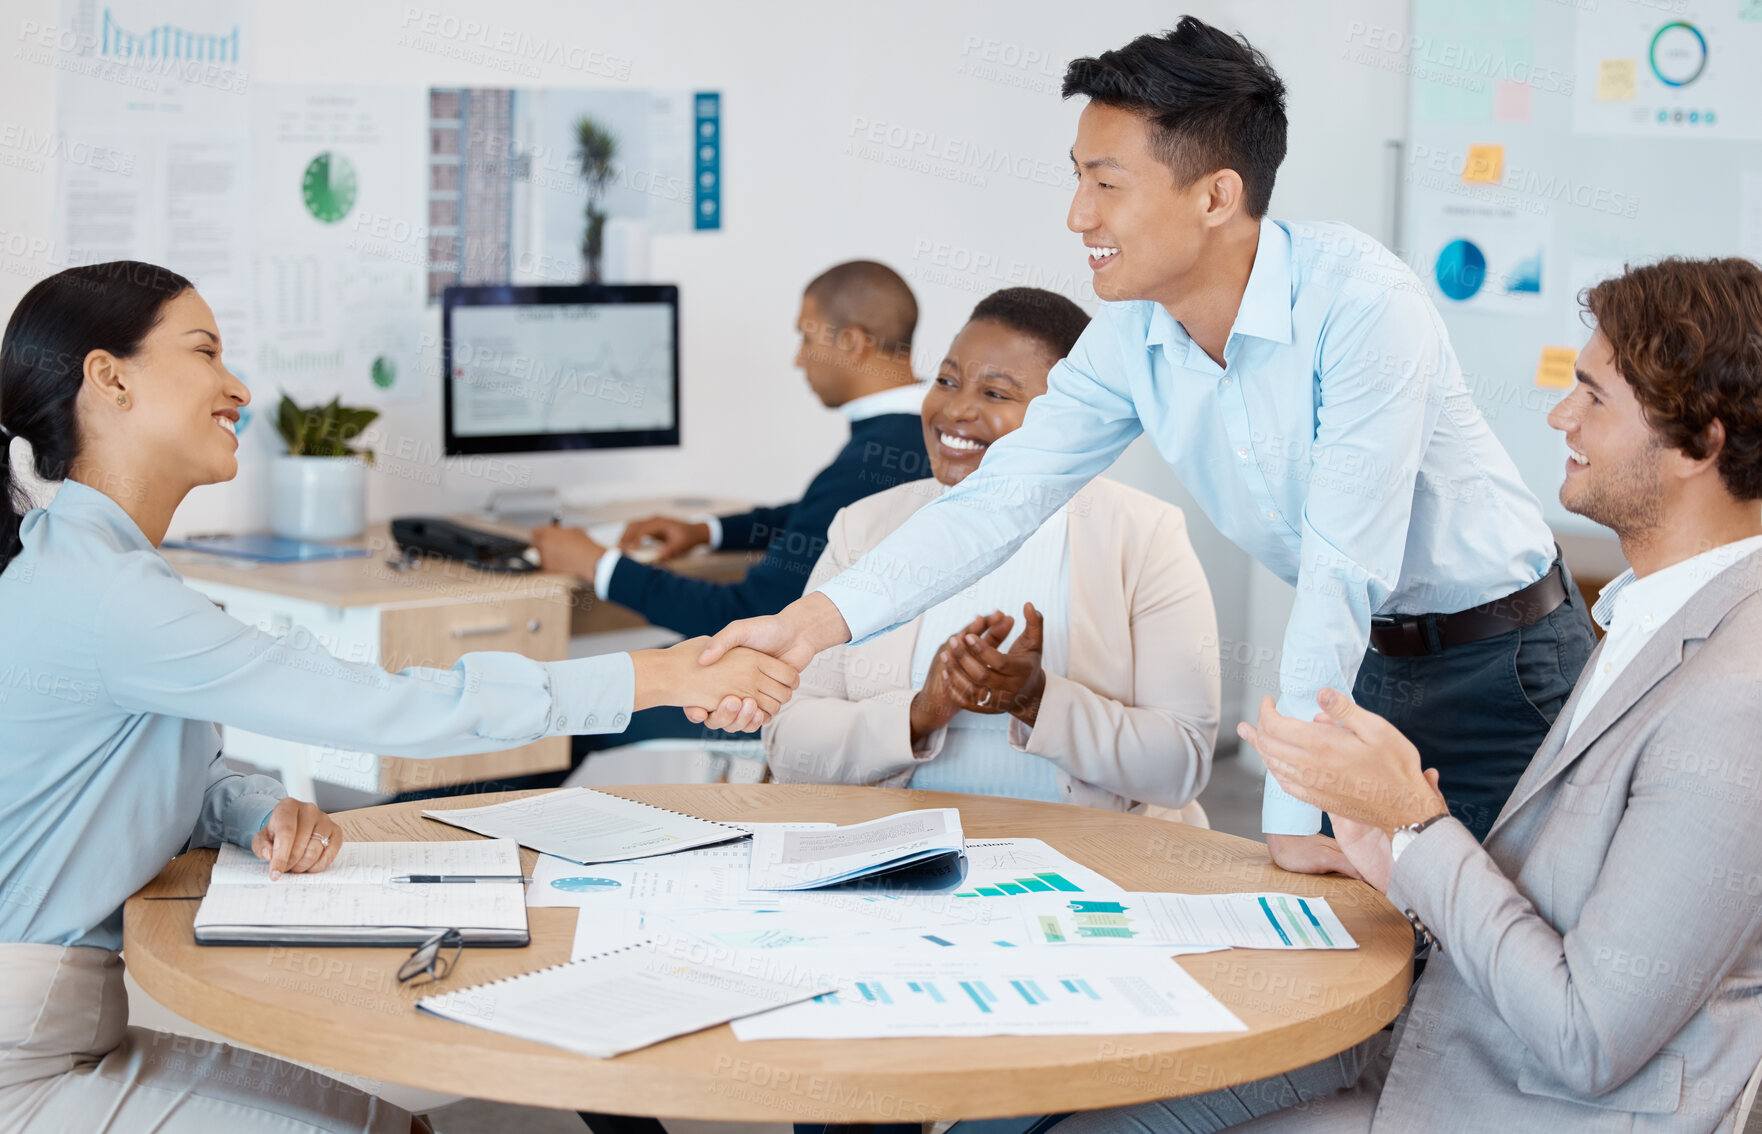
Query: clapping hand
x=1347 y=761
x=1368 y=848
x=937 y=702
x=988 y=680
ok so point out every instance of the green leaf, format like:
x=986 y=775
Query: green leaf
x=322 y=430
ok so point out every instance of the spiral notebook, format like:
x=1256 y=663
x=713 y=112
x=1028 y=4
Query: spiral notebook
x=355 y=902
x=619 y=1001
x=587 y=826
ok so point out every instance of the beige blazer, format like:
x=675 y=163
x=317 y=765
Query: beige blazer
x=1602 y=954
x=1132 y=723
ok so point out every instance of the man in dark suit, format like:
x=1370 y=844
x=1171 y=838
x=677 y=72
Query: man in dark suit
x=856 y=328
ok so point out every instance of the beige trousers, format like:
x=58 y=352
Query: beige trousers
x=69 y=1064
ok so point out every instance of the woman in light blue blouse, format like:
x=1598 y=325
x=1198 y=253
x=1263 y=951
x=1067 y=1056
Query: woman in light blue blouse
x=114 y=674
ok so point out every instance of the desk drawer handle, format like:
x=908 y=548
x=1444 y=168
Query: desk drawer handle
x=480 y=631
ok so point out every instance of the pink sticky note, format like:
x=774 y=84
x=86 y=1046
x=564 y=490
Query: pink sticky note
x=1511 y=101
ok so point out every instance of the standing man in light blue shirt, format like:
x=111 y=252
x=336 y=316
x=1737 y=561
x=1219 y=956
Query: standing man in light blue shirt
x=1300 y=382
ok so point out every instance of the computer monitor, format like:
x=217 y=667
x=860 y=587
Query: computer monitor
x=589 y=366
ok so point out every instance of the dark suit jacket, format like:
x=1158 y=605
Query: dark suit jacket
x=883 y=451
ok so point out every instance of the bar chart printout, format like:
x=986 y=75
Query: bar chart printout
x=970 y=992
x=1002 y=867
x=1241 y=921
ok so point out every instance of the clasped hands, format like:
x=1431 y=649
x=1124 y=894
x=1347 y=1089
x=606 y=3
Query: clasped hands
x=972 y=673
x=1354 y=765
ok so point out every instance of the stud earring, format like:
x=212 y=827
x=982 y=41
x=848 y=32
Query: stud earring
x=122 y=400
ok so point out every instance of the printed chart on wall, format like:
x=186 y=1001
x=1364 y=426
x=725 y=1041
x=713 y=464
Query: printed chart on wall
x=340 y=250
x=1482 y=257
x=151 y=118
x=1687 y=72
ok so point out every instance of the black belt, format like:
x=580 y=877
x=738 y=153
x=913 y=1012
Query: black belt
x=1404 y=636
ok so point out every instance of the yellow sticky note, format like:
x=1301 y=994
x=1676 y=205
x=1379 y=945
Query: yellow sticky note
x=1485 y=165
x=1615 y=79
x=1554 y=371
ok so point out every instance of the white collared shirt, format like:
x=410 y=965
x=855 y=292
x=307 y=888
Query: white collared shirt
x=900 y=399
x=1632 y=609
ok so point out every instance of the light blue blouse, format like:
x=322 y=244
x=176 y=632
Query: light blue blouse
x=112 y=674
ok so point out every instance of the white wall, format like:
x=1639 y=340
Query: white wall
x=802 y=84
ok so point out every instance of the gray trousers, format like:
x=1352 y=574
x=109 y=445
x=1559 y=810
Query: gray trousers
x=1338 y=1095
x=70 y=1062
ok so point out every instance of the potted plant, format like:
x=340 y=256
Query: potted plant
x=318 y=490
x=596 y=149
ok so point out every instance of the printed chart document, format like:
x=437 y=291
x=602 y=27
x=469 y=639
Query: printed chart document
x=620 y=1001
x=921 y=849
x=587 y=826
x=1002 y=992
x=1241 y=921
x=355 y=901
x=997 y=867
x=711 y=875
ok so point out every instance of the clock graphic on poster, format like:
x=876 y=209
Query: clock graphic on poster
x=328 y=187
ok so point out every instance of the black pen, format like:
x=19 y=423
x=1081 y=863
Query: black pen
x=461 y=878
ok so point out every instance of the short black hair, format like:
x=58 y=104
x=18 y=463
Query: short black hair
x=1044 y=316
x=1213 y=101
x=870 y=295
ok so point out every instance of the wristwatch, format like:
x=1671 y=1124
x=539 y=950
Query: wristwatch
x=1399 y=841
x=1402 y=837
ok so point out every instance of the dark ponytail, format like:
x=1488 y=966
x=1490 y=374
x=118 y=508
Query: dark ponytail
x=43 y=358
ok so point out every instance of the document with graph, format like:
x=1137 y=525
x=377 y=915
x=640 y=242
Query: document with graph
x=1239 y=921
x=1001 y=992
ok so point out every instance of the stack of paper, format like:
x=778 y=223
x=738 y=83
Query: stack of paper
x=616 y=1002
x=1030 y=943
x=589 y=826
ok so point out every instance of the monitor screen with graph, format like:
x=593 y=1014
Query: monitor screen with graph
x=529 y=369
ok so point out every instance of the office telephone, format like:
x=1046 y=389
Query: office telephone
x=487 y=551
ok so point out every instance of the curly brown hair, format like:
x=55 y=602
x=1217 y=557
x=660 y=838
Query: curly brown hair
x=1687 y=336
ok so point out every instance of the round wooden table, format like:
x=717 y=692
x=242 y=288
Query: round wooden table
x=343 y=1007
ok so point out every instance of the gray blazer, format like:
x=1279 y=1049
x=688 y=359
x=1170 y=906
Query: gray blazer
x=1602 y=955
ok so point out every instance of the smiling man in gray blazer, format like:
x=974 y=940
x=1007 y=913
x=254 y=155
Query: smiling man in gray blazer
x=1598 y=962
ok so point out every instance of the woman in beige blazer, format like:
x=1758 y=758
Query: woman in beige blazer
x=1108 y=697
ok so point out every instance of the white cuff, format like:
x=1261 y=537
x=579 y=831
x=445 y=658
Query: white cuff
x=602 y=572
x=1283 y=814
x=714 y=523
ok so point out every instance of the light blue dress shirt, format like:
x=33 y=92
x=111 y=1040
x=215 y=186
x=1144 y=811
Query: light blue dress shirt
x=113 y=673
x=1338 y=445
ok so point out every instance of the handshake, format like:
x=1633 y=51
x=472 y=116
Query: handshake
x=740 y=690
x=741 y=677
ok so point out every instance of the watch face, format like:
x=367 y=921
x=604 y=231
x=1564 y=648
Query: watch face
x=328 y=187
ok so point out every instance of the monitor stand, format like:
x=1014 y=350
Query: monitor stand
x=529 y=508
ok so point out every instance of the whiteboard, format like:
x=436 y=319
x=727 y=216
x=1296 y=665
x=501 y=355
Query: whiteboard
x=1551 y=142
